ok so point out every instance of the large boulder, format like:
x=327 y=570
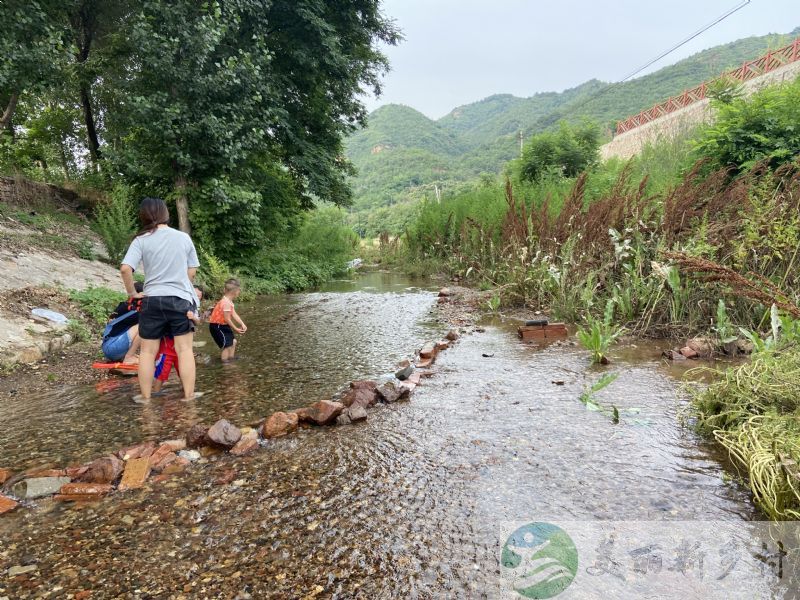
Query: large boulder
x=224 y=434
x=279 y=424
x=323 y=412
x=102 y=470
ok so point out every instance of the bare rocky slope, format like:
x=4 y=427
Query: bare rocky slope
x=46 y=250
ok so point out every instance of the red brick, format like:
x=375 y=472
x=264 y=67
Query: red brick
x=7 y=504
x=85 y=489
x=424 y=363
x=136 y=472
x=143 y=450
x=161 y=453
x=5 y=475
x=428 y=350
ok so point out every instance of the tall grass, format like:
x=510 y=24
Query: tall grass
x=614 y=236
x=751 y=410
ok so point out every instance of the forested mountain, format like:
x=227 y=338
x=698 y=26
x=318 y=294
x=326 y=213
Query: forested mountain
x=401 y=156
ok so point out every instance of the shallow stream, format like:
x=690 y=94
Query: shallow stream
x=416 y=502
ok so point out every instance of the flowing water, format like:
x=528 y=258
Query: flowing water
x=414 y=503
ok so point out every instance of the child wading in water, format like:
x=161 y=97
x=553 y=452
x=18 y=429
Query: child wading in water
x=223 y=320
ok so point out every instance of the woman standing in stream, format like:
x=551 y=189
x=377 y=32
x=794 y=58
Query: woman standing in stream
x=170 y=263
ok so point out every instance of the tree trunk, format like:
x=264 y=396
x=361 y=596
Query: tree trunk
x=62 y=152
x=91 y=130
x=84 y=24
x=8 y=113
x=182 y=204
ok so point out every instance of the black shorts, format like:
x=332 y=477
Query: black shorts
x=163 y=316
x=222 y=334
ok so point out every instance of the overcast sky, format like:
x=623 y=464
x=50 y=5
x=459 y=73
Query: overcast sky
x=459 y=51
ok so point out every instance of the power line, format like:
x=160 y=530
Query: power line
x=686 y=40
x=649 y=63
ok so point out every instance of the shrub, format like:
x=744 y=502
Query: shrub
x=762 y=127
x=568 y=151
x=97 y=302
x=79 y=331
x=213 y=273
x=115 y=222
x=85 y=250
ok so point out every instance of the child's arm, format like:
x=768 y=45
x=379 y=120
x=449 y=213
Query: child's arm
x=229 y=320
x=241 y=323
x=193 y=317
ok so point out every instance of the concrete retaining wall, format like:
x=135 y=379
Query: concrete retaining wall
x=679 y=122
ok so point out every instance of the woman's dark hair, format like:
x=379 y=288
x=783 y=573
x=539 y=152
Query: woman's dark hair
x=152 y=213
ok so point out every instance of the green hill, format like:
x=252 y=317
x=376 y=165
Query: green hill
x=402 y=155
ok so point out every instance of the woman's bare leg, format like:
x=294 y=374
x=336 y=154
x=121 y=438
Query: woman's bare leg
x=136 y=342
x=147 y=366
x=185 y=352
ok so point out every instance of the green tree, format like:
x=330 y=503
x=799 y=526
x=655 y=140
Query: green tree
x=567 y=151
x=207 y=87
x=31 y=48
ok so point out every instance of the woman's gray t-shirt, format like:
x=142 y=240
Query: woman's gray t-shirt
x=166 y=255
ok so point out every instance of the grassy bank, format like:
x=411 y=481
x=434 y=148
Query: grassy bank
x=664 y=237
x=753 y=411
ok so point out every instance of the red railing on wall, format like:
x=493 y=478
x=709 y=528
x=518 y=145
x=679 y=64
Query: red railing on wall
x=749 y=70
